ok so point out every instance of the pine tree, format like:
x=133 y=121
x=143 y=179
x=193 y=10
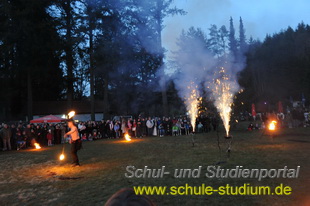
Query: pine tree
x=242 y=38
x=232 y=39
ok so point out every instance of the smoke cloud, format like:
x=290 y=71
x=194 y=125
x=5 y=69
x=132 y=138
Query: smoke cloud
x=197 y=71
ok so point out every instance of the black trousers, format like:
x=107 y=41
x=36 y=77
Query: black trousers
x=74 y=151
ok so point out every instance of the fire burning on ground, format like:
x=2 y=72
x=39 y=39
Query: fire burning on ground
x=127 y=137
x=37 y=146
x=272 y=125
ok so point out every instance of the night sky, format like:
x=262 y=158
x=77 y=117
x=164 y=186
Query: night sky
x=259 y=17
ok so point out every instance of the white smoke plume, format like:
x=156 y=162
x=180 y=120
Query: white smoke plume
x=198 y=70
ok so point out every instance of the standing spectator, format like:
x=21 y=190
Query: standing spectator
x=200 y=127
x=38 y=134
x=28 y=135
x=20 y=139
x=139 y=128
x=57 y=135
x=6 y=135
x=124 y=128
x=175 y=130
x=13 y=138
x=165 y=126
x=82 y=128
x=63 y=132
x=116 y=130
x=169 y=126
x=144 y=127
x=161 y=130
x=102 y=129
x=44 y=133
x=107 y=128
x=52 y=128
x=111 y=129
x=149 y=125
x=155 y=132
x=129 y=126
x=178 y=124
x=134 y=128
x=49 y=138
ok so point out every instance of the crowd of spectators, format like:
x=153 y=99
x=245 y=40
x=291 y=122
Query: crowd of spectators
x=20 y=135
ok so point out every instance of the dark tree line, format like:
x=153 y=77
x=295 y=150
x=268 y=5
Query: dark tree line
x=82 y=50
x=278 y=69
x=111 y=50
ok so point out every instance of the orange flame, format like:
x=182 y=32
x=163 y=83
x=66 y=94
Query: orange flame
x=71 y=114
x=127 y=137
x=62 y=157
x=37 y=146
x=272 y=125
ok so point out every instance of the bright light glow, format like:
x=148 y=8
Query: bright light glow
x=272 y=125
x=223 y=94
x=192 y=103
x=37 y=146
x=71 y=114
x=62 y=157
x=127 y=137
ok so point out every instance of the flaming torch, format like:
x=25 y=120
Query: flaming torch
x=127 y=137
x=71 y=114
x=37 y=146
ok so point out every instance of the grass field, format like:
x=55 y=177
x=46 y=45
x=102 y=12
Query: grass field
x=37 y=177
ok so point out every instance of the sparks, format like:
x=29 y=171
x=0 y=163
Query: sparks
x=223 y=97
x=192 y=102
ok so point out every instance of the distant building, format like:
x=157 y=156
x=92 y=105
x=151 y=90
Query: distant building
x=59 y=109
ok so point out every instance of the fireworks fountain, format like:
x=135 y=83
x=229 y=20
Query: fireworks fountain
x=192 y=102
x=223 y=92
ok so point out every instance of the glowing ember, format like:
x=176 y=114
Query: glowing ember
x=192 y=102
x=62 y=157
x=272 y=125
x=127 y=137
x=223 y=93
x=37 y=146
x=71 y=114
